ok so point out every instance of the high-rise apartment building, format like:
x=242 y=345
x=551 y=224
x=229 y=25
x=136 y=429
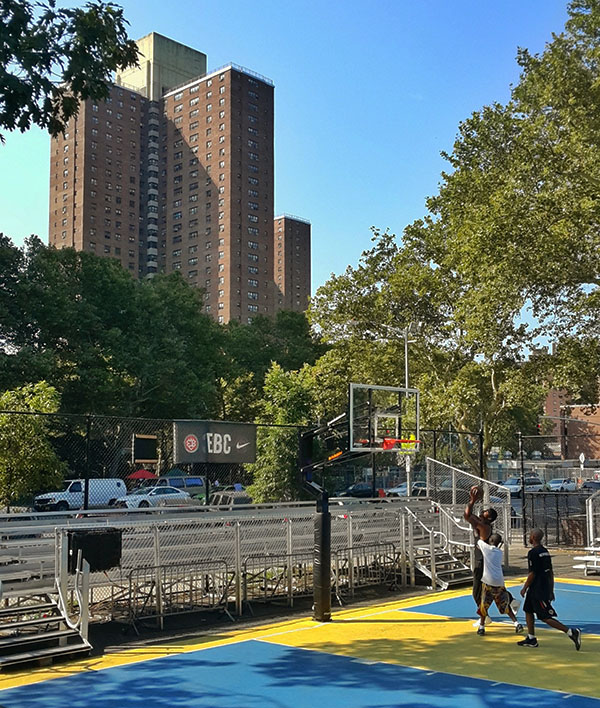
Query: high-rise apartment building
x=175 y=171
x=291 y=274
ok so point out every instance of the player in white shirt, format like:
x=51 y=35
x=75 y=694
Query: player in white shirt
x=493 y=587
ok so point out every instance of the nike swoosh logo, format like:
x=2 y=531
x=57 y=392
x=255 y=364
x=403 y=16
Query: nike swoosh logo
x=240 y=445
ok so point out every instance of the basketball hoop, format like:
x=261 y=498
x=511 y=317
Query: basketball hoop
x=404 y=444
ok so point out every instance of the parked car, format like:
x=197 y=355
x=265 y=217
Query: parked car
x=152 y=496
x=590 y=485
x=102 y=493
x=561 y=484
x=229 y=499
x=445 y=492
x=419 y=489
x=532 y=484
x=358 y=489
x=191 y=485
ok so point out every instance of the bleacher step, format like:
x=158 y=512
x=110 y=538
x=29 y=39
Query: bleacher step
x=17 y=624
x=40 y=654
x=26 y=609
x=17 y=639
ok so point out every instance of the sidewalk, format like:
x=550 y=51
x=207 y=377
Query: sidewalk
x=562 y=562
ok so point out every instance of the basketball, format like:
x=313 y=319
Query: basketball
x=477 y=491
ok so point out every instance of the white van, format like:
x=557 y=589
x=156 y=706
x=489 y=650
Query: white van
x=102 y=493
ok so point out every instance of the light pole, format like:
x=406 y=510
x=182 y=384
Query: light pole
x=406 y=357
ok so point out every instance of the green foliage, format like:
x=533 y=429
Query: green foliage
x=27 y=460
x=287 y=400
x=250 y=351
x=51 y=59
x=507 y=253
x=114 y=345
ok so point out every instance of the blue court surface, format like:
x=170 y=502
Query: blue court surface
x=575 y=606
x=417 y=652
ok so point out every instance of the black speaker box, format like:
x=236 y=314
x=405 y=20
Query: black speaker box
x=101 y=548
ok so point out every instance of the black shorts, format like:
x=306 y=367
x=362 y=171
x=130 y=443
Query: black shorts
x=541 y=608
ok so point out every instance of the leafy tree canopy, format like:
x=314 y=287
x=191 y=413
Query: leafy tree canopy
x=52 y=58
x=27 y=460
x=507 y=252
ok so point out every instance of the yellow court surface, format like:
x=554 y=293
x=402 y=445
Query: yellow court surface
x=417 y=651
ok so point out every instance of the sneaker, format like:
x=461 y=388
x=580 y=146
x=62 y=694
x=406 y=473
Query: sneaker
x=480 y=630
x=488 y=620
x=518 y=628
x=528 y=642
x=576 y=637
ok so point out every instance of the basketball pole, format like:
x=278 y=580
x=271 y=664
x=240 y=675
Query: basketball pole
x=322 y=561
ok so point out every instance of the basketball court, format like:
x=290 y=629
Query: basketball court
x=415 y=652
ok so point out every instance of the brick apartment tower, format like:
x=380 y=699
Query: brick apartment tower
x=175 y=171
x=291 y=273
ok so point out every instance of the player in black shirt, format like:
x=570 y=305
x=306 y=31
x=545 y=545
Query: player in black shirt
x=539 y=593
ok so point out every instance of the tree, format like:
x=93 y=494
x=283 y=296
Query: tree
x=51 y=59
x=110 y=344
x=507 y=252
x=250 y=350
x=28 y=463
x=287 y=400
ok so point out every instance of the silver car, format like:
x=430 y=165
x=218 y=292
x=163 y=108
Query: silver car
x=152 y=496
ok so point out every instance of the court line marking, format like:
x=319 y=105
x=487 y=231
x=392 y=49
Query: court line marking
x=427 y=671
x=150 y=652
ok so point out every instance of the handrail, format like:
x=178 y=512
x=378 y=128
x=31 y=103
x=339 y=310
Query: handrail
x=431 y=533
x=443 y=511
x=589 y=517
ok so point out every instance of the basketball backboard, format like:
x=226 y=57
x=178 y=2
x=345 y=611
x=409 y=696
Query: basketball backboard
x=383 y=419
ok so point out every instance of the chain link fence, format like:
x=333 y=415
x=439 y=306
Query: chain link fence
x=118 y=455
x=176 y=562
x=450 y=486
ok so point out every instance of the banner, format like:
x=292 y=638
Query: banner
x=210 y=441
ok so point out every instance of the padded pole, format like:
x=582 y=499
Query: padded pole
x=322 y=562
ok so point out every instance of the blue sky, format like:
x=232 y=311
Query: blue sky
x=367 y=94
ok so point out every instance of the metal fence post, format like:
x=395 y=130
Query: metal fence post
x=507 y=520
x=402 y=548
x=411 y=551
x=350 y=536
x=290 y=574
x=589 y=517
x=432 y=559
x=453 y=486
x=157 y=577
x=86 y=480
x=238 y=568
